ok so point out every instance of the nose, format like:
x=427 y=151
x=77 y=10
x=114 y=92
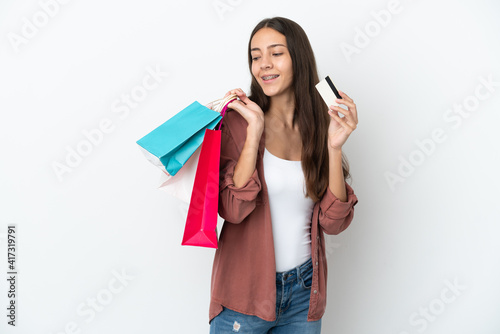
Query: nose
x=265 y=63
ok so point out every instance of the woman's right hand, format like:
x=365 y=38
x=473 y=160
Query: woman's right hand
x=254 y=116
x=250 y=111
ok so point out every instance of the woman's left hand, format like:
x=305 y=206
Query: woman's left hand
x=340 y=128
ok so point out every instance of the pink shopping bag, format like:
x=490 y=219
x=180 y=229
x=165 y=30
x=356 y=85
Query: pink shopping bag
x=201 y=222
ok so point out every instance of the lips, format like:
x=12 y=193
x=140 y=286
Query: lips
x=269 y=77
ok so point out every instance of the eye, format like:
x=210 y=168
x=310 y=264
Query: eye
x=277 y=54
x=255 y=58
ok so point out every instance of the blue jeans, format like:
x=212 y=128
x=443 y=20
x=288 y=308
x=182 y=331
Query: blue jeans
x=293 y=290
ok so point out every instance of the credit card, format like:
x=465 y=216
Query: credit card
x=328 y=92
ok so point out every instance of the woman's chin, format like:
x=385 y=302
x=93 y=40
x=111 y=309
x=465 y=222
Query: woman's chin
x=270 y=92
x=276 y=91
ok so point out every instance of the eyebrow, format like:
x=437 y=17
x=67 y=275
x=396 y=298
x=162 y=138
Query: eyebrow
x=270 y=46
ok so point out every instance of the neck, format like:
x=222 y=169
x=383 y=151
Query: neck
x=282 y=108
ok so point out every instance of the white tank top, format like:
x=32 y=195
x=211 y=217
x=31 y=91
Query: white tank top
x=290 y=211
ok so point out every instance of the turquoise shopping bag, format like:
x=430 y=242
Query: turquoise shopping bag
x=171 y=144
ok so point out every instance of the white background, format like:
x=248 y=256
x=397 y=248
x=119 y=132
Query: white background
x=388 y=272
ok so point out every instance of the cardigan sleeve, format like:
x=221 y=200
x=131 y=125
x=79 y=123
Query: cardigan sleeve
x=235 y=204
x=335 y=216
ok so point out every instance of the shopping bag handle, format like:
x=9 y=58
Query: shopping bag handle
x=220 y=105
x=223 y=111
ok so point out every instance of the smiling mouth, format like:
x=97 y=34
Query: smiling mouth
x=270 y=77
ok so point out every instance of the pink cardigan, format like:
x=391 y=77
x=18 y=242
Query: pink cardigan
x=244 y=270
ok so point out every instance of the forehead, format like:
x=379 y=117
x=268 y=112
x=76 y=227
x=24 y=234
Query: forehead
x=265 y=37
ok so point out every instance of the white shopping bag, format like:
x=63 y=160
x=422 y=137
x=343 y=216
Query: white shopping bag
x=181 y=184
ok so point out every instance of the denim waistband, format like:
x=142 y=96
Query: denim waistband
x=292 y=274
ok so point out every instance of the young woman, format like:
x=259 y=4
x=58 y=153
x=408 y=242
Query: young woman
x=282 y=184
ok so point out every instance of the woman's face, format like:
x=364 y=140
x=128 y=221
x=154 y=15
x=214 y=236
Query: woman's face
x=271 y=62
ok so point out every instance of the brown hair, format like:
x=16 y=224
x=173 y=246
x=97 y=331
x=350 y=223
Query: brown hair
x=310 y=110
